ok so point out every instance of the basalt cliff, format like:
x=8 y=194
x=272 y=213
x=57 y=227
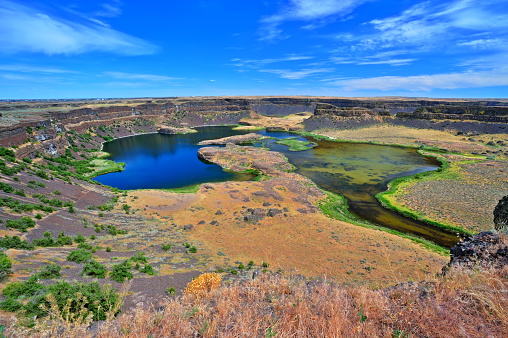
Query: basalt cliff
x=42 y=127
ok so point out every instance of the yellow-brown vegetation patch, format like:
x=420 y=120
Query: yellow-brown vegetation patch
x=389 y=134
x=300 y=239
x=464 y=195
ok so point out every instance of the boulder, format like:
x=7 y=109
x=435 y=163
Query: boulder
x=501 y=215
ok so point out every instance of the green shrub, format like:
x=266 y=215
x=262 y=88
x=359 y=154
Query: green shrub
x=15 y=242
x=21 y=224
x=20 y=192
x=139 y=257
x=42 y=174
x=6 y=187
x=85 y=246
x=99 y=300
x=126 y=208
x=49 y=271
x=79 y=256
x=11 y=305
x=79 y=238
x=148 y=269
x=27 y=288
x=47 y=240
x=121 y=271
x=94 y=269
x=6 y=152
x=171 y=291
x=64 y=240
x=166 y=247
x=5 y=266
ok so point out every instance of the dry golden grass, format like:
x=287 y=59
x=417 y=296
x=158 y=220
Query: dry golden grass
x=204 y=283
x=465 y=303
x=389 y=134
x=308 y=243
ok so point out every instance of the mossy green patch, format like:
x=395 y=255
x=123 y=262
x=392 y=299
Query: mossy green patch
x=102 y=166
x=295 y=144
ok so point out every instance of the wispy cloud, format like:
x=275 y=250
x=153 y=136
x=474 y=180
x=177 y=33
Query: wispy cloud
x=142 y=77
x=493 y=78
x=262 y=62
x=430 y=24
x=21 y=68
x=110 y=9
x=307 y=11
x=296 y=74
x=27 y=29
x=486 y=43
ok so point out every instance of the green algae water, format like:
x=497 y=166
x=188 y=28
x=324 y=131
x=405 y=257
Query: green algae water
x=359 y=171
x=354 y=170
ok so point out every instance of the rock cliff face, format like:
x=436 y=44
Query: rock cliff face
x=330 y=116
x=454 y=112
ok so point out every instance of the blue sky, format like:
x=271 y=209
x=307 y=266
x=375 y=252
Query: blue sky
x=127 y=48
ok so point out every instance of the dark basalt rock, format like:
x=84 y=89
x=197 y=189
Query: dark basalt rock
x=485 y=249
x=501 y=215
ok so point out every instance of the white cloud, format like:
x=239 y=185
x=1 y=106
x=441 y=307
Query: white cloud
x=109 y=10
x=485 y=43
x=25 y=29
x=305 y=10
x=493 y=78
x=32 y=69
x=253 y=63
x=296 y=74
x=392 y=62
x=143 y=77
x=429 y=24
x=381 y=58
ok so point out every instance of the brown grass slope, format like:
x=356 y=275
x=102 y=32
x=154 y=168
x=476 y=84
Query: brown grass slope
x=467 y=303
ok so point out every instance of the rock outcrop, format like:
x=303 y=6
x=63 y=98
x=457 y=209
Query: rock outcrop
x=486 y=249
x=501 y=215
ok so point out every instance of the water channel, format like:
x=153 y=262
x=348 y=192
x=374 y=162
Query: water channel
x=356 y=171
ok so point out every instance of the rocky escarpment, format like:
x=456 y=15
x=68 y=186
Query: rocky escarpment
x=501 y=214
x=52 y=120
x=454 y=112
x=330 y=116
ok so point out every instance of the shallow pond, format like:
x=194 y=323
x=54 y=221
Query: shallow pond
x=356 y=171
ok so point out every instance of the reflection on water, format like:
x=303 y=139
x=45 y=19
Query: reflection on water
x=156 y=161
x=356 y=171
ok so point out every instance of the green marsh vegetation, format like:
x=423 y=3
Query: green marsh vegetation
x=295 y=144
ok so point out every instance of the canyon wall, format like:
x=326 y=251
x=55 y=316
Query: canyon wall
x=47 y=131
